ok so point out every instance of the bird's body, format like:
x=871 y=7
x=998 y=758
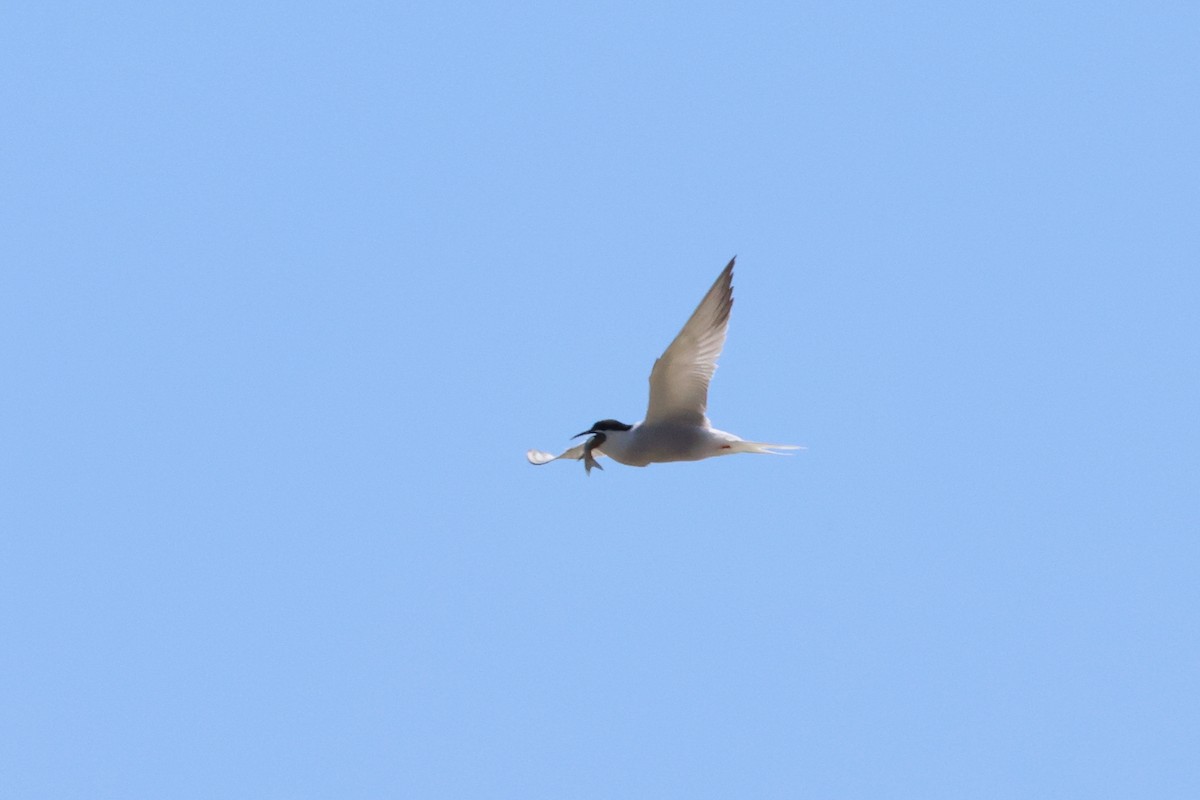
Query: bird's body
x=668 y=441
x=676 y=427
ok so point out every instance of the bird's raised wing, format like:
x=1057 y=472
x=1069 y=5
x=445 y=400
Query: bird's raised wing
x=679 y=380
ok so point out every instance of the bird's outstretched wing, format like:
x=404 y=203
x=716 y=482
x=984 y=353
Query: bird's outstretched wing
x=540 y=457
x=679 y=380
x=575 y=453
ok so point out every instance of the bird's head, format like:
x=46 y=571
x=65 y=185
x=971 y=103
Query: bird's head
x=599 y=433
x=602 y=428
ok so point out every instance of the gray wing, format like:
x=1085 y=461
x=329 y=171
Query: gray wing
x=679 y=380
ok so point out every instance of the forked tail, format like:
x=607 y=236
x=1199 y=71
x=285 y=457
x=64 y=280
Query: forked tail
x=765 y=447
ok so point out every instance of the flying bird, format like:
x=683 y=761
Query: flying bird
x=676 y=427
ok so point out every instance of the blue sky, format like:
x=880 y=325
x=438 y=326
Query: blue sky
x=289 y=290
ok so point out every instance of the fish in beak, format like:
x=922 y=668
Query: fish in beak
x=588 y=460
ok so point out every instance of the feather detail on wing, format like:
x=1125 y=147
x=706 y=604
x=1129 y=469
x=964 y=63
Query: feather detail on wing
x=680 y=378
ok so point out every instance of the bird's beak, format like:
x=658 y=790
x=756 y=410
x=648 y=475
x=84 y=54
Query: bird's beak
x=585 y=433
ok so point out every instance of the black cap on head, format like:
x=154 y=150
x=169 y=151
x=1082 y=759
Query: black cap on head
x=610 y=425
x=604 y=425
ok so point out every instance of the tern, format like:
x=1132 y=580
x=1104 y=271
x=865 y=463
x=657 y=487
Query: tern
x=676 y=427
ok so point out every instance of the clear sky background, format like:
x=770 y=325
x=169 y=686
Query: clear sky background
x=287 y=291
